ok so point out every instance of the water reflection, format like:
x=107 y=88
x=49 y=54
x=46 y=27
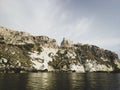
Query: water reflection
x=73 y=81
x=60 y=81
x=96 y=81
x=41 y=81
x=49 y=81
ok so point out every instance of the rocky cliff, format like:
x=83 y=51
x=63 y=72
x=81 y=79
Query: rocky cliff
x=20 y=51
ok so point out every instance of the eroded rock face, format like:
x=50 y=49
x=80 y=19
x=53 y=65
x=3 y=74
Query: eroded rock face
x=41 y=60
x=14 y=37
x=45 y=41
x=22 y=51
x=66 y=43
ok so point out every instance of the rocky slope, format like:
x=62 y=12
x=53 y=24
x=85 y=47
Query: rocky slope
x=20 y=51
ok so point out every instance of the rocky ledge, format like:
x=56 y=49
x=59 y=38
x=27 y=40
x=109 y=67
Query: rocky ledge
x=22 y=52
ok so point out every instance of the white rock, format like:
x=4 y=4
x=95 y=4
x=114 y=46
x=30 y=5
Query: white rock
x=44 y=55
x=77 y=68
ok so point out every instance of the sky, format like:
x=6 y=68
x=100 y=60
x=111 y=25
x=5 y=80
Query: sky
x=95 y=22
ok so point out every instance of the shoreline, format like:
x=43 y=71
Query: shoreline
x=19 y=70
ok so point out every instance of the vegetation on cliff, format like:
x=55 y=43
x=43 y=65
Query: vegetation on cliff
x=20 y=50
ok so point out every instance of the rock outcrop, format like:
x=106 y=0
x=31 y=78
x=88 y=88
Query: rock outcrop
x=66 y=43
x=20 y=51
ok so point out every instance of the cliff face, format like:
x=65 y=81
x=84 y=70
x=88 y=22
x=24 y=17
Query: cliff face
x=20 y=50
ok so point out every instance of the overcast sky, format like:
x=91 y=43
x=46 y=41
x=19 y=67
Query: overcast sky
x=86 y=21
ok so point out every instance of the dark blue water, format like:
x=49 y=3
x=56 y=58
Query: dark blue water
x=60 y=81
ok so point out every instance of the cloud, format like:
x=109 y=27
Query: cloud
x=76 y=20
x=49 y=18
x=45 y=16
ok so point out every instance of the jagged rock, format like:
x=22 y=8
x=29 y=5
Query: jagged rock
x=14 y=37
x=45 y=41
x=66 y=43
x=22 y=51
